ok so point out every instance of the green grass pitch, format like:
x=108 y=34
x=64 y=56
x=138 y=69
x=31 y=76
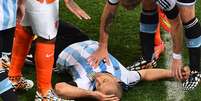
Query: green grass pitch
x=123 y=44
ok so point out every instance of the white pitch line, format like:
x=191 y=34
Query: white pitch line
x=174 y=88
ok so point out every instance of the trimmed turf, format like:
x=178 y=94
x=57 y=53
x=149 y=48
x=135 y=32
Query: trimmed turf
x=123 y=44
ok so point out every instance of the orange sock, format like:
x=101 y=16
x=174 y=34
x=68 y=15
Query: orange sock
x=163 y=20
x=48 y=1
x=157 y=39
x=21 y=45
x=44 y=60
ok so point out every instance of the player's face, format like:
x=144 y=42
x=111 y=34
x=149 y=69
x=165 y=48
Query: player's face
x=104 y=79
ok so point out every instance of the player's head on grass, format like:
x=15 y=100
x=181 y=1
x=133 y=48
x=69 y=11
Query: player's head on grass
x=108 y=84
x=130 y=4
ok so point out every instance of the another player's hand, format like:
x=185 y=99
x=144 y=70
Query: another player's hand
x=0 y=63
x=75 y=9
x=176 y=66
x=97 y=56
x=102 y=97
x=20 y=13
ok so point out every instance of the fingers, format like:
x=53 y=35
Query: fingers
x=20 y=19
x=97 y=56
x=111 y=98
x=107 y=61
x=179 y=69
x=72 y=9
x=82 y=13
x=177 y=73
x=104 y=97
x=75 y=9
x=93 y=61
x=176 y=69
x=180 y=74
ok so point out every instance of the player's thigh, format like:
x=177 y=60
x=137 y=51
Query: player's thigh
x=186 y=2
x=187 y=9
x=148 y=4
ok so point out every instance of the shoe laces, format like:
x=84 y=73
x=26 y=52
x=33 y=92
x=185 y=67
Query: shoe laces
x=141 y=62
x=51 y=96
x=5 y=61
x=194 y=76
x=6 y=58
x=193 y=81
x=20 y=84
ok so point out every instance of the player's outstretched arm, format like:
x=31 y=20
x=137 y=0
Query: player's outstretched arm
x=102 y=51
x=156 y=74
x=70 y=92
x=75 y=9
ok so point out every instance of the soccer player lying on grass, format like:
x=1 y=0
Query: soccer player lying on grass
x=68 y=34
x=103 y=82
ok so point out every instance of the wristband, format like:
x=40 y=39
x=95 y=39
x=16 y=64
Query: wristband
x=176 y=56
x=113 y=2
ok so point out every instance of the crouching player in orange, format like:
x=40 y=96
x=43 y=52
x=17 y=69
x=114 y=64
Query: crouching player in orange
x=159 y=45
x=41 y=18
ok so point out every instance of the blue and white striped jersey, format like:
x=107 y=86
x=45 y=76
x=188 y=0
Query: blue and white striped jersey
x=5 y=84
x=74 y=58
x=8 y=9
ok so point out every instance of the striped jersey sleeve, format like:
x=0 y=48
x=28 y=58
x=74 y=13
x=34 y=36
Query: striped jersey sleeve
x=5 y=83
x=8 y=10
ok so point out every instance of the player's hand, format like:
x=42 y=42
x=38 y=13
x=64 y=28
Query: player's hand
x=20 y=12
x=185 y=72
x=102 y=97
x=97 y=56
x=75 y=9
x=176 y=67
x=0 y=63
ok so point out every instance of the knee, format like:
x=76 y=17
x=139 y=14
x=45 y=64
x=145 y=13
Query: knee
x=166 y=5
x=170 y=8
x=43 y=40
x=148 y=4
